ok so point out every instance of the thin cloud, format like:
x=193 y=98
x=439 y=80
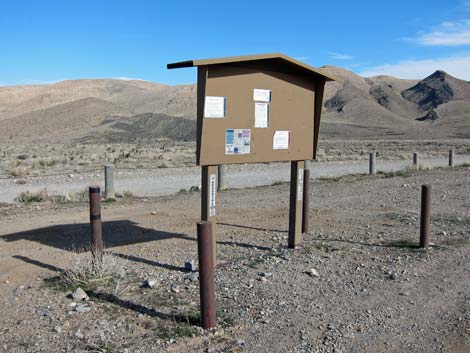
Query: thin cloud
x=339 y=56
x=448 y=33
x=458 y=66
x=129 y=79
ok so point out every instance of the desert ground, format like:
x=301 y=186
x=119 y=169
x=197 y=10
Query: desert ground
x=357 y=283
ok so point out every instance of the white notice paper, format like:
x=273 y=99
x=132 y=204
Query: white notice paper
x=262 y=95
x=281 y=140
x=214 y=107
x=261 y=114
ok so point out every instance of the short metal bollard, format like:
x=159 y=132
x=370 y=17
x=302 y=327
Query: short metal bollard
x=372 y=169
x=95 y=222
x=425 y=216
x=306 y=202
x=109 y=182
x=451 y=158
x=206 y=275
x=416 y=160
x=221 y=177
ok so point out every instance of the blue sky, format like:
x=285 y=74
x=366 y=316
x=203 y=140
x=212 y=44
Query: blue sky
x=47 y=41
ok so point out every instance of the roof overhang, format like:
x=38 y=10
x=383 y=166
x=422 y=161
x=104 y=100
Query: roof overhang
x=278 y=59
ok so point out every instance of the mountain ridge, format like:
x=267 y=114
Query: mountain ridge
x=354 y=107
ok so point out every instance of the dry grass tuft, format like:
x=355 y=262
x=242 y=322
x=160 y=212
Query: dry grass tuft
x=91 y=274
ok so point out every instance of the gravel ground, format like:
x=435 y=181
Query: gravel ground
x=167 y=181
x=356 y=284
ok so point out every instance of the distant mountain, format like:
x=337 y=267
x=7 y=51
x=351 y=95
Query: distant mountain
x=435 y=107
x=109 y=109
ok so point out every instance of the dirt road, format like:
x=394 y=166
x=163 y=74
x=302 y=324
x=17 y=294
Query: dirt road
x=167 y=181
x=373 y=291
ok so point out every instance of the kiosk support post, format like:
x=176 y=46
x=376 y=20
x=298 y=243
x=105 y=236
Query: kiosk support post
x=208 y=202
x=296 y=203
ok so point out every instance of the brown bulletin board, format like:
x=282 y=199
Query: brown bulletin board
x=291 y=108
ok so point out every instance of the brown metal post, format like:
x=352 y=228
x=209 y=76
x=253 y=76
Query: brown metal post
x=425 y=216
x=451 y=158
x=208 y=202
x=306 y=202
x=295 y=205
x=206 y=275
x=95 y=221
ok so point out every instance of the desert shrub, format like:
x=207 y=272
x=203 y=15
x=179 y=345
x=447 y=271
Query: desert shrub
x=29 y=197
x=90 y=274
x=22 y=157
x=43 y=163
x=20 y=172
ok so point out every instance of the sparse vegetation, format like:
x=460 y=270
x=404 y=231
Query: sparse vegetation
x=20 y=172
x=404 y=173
x=47 y=163
x=90 y=275
x=29 y=197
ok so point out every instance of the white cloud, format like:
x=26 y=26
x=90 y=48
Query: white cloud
x=339 y=56
x=447 y=34
x=128 y=79
x=458 y=66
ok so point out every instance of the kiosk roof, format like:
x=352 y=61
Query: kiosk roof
x=278 y=61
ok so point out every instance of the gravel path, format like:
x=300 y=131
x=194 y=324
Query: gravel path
x=170 y=180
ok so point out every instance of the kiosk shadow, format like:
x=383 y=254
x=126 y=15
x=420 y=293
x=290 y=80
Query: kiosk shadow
x=77 y=236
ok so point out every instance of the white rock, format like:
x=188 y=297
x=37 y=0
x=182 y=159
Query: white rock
x=79 y=295
x=313 y=272
x=151 y=283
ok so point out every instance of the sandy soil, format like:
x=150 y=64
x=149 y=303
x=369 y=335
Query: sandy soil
x=374 y=292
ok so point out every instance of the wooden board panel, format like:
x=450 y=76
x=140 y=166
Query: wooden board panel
x=291 y=108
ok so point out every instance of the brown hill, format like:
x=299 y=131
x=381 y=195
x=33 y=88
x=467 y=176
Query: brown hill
x=354 y=107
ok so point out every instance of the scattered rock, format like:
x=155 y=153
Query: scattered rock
x=82 y=309
x=175 y=288
x=313 y=272
x=189 y=266
x=193 y=276
x=79 y=295
x=153 y=213
x=58 y=329
x=149 y=283
x=265 y=274
x=393 y=276
x=20 y=290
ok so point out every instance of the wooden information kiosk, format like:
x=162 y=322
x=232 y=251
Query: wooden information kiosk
x=253 y=109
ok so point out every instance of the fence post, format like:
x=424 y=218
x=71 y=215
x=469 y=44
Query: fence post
x=109 y=182
x=372 y=163
x=451 y=158
x=425 y=216
x=416 y=160
x=221 y=177
x=206 y=275
x=95 y=222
